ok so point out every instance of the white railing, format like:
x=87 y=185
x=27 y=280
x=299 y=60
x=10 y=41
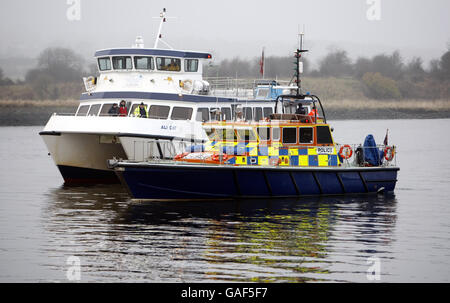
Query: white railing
x=158 y=149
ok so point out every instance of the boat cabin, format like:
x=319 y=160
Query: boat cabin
x=155 y=70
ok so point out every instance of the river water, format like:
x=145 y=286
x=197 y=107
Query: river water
x=404 y=237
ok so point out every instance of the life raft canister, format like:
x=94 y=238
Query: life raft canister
x=345 y=152
x=216 y=157
x=180 y=156
x=389 y=153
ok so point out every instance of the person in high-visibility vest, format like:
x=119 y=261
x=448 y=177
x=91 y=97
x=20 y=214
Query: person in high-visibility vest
x=141 y=111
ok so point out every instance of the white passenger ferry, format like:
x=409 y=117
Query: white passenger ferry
x=176 y=101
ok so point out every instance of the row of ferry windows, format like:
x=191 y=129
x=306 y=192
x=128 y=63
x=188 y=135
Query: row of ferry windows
x=248 y=113
x=288 y=135
x=154 y=112
x=147 y=63
x=180 y=113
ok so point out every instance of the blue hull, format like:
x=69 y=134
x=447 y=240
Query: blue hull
x=162 y=181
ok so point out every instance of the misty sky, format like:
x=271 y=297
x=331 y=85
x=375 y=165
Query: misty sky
x=229 y=28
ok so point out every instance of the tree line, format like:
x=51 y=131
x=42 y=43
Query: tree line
x=384 y=76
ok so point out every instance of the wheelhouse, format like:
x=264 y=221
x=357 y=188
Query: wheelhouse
x=150 y=60
x=282 y=133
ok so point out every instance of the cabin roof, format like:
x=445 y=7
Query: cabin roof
x=152 y=52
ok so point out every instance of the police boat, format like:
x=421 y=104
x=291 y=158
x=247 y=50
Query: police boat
x=291 y=153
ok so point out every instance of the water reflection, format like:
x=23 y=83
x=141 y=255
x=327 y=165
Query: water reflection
x=283 y=240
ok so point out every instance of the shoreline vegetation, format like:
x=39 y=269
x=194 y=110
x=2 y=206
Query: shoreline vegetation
x=382 y=87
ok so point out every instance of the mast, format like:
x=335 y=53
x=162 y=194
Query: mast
x=158 y=39
x=299 y=63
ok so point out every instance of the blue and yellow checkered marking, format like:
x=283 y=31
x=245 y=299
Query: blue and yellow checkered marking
x=253 y=154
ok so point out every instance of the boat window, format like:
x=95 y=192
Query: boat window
x=214 y=115
x=105 y=109
x=158 y=112
x=143 y=63
x=104 y=64
x=324 y=135
x=202 y=114
x=133 y=108
x=83 y=110
x=168 y=64
x=122 y=63
x=262 y=93
x=247 y=113
x=226 y=113
x=211 y=133
x=264 y=133
x=229 y=135
x=306 y=135
x=246 y=135
x=258 y=113
x=276 y=134
x=181 y=113
x=94 y=110
x=290 y=135
x=268 y=111
x=289 y=108
x=191 y=65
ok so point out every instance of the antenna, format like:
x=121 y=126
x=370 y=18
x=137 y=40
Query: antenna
x=163 y=18
x=298 y=63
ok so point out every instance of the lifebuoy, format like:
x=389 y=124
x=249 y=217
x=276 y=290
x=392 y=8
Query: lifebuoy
x=345 y=152
x=389 y=153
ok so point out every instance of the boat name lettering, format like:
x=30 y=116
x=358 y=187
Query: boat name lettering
x=169 y=127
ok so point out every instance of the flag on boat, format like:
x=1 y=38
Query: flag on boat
x=261 y=64
x=386 y=137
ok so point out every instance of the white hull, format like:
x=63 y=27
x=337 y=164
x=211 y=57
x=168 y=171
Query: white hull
x=82 y=145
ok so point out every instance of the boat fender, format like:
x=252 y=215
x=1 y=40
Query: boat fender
x=389 y=153
x=345 y=152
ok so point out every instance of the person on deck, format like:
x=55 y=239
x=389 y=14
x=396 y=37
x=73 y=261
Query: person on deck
x=300 y=110
x=141 y=111
x=313 y=113
x=123 y=111
x=114 y=110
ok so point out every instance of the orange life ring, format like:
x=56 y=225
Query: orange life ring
x=389 y=153
x=348 y=151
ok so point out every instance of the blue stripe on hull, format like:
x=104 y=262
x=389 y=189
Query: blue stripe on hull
x=216 y=183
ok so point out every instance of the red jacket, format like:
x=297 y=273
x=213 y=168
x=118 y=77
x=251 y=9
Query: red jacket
x=123 y=111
